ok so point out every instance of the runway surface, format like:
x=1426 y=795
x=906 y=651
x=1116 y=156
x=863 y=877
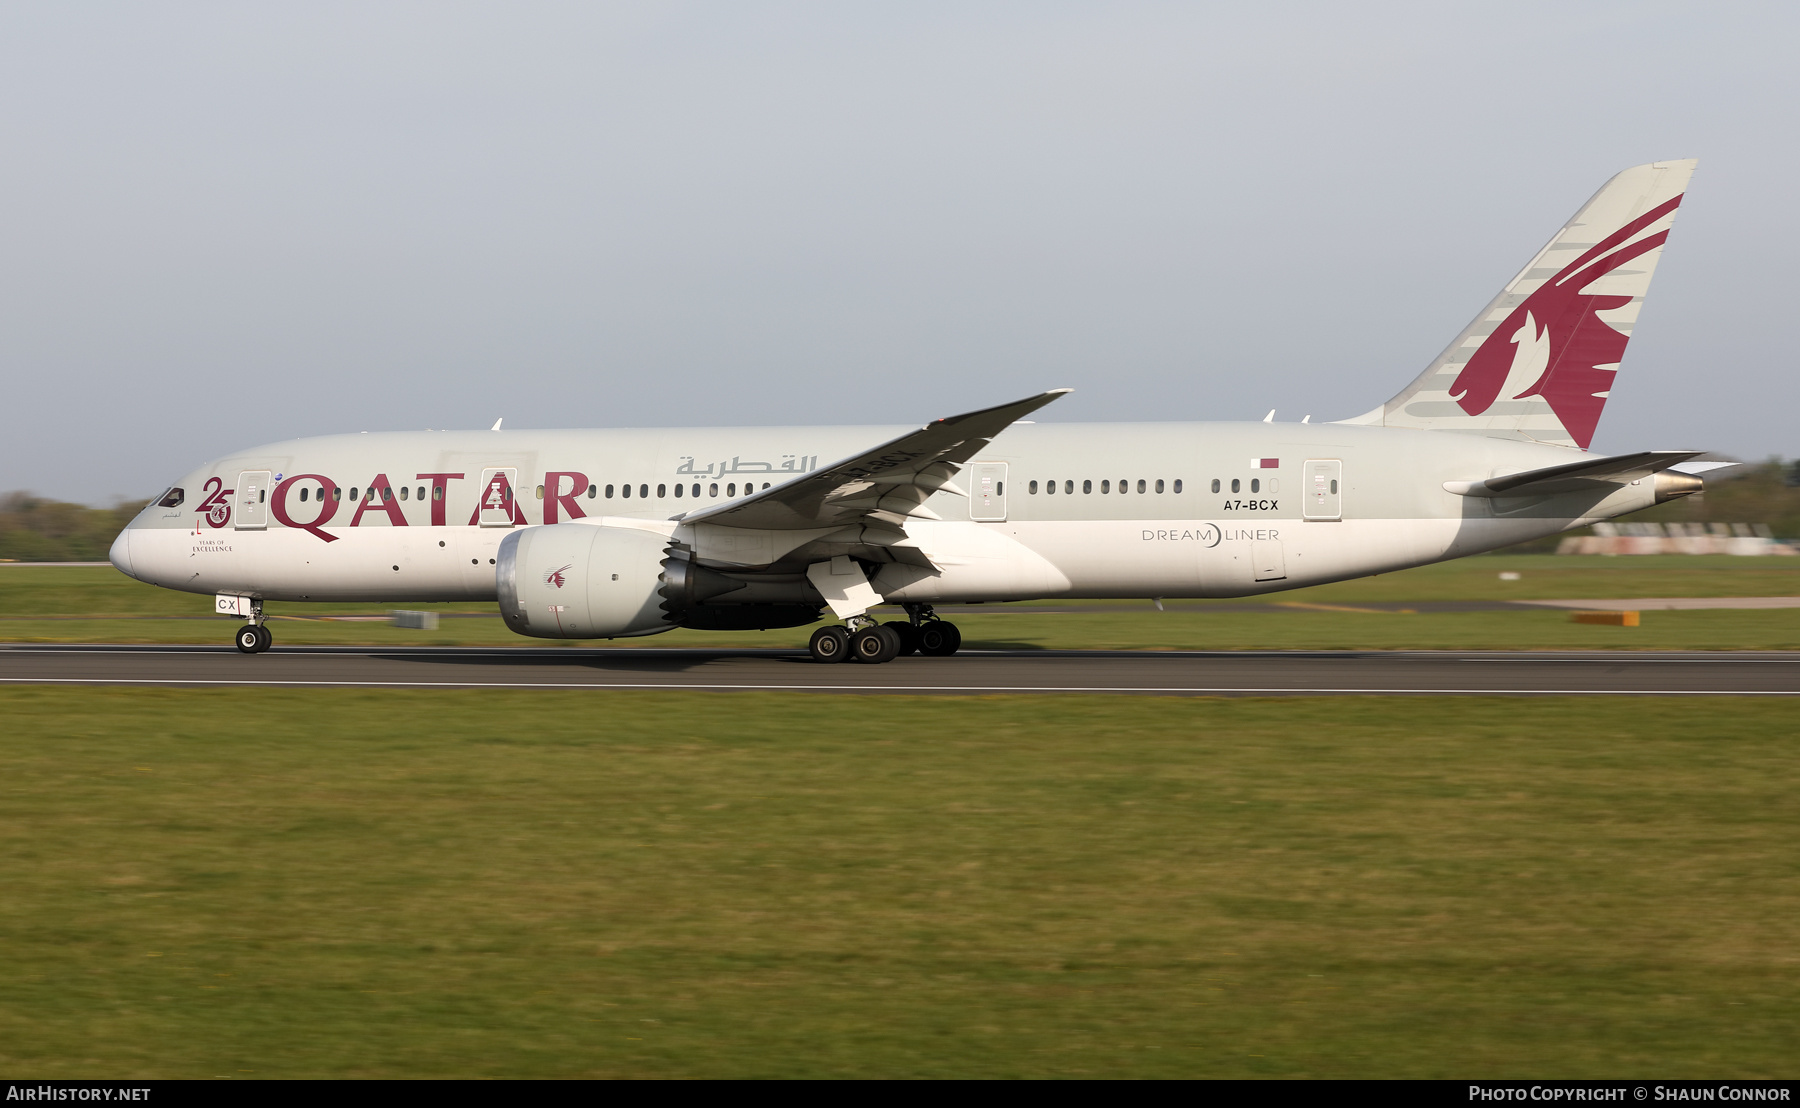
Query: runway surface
x=1165 y=673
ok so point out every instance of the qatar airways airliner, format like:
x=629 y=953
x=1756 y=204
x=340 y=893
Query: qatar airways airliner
x=609 y=534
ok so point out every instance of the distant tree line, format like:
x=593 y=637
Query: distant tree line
x=34 y=529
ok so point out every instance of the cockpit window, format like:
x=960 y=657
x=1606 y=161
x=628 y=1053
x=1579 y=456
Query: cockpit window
x=172 y=499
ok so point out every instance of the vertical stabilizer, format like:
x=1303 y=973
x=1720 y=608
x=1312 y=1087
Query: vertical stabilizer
x=1539 y=361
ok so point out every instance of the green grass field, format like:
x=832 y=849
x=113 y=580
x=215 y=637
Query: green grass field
x=98 y=604
x=459 y=883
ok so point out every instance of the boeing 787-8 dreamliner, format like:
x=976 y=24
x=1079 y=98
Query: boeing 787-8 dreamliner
x=614 y=534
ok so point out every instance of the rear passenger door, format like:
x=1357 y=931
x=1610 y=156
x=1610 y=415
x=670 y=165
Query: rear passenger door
x=1322 y=483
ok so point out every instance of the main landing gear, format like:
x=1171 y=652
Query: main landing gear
x=254 y=637
x=864 y=640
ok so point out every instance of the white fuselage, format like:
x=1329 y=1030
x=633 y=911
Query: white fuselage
x=1134 y=512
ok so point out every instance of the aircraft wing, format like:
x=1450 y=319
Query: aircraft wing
x=1588 y=474
x=888 y=483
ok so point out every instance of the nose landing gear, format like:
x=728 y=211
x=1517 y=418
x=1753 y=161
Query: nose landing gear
x=253 y=637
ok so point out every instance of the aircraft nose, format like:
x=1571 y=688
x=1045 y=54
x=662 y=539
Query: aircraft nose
x=120 y=554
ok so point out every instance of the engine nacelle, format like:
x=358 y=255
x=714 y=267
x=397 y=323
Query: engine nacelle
x=589 y=581
x=582 y=581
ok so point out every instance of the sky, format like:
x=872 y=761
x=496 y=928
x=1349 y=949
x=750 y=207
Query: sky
x=229 y=224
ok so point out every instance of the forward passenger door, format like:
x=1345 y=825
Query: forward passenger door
x=252 y=508
x=498 y=487
x=987 y=497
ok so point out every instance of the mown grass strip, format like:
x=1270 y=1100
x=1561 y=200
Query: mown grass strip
x=395 y=883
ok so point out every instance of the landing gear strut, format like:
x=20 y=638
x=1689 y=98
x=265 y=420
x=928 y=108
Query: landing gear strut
x=253 y=637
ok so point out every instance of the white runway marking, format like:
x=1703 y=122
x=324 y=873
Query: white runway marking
x=897 y=690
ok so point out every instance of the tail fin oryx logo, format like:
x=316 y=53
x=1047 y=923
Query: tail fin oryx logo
x=1555 y=344
x=1538 y=362
x=555 y=576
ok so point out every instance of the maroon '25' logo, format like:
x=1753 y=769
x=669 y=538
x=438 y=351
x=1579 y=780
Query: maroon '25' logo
x=214 y=506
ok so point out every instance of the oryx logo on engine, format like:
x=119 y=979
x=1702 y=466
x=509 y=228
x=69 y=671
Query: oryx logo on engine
x=555 y=576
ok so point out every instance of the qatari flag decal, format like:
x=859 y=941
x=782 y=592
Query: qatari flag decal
x=1265 y=463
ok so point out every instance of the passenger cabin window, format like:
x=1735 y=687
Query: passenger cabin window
x=1234 y=484
x=1031 y=488
x=643 y=491
x=677 y=491
x=353 y=492
x=1177 y=484
x=661 y=491
x=303 y=494
x=1087 y=486
x=1140 y=484
x=731 y=490
x=337 y=493
x=609 y=491
x=172 y=498
x=592 y=490
x=540 y=492
x=712 y=490
x=627 y=493
x=1255 y=484
x=421 y=492
x=1105 y=487
x=1159 y=484
x=387 y=495
x=1124 y=487
x=403 y=492
x=1215 y=484
x=1334 y=488
x=1049 y=488
x=437 y=492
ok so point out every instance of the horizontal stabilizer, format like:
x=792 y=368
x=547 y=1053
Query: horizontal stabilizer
x=1583 y=476
x=1697 y=468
